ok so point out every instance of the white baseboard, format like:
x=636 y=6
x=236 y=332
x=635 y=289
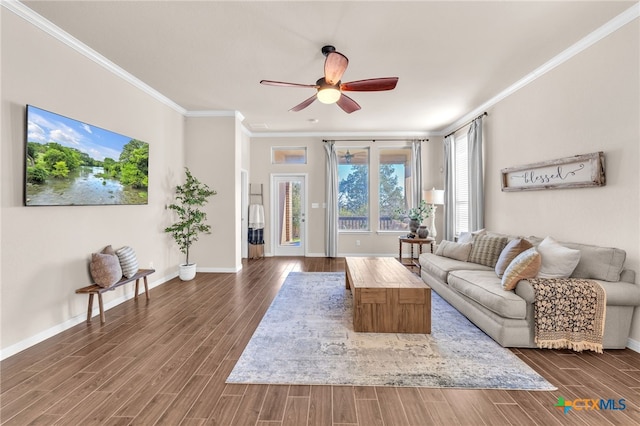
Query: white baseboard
x=368 y=254
x=315 y=255
x=634 y=345
x=71 y=322
x=220 y=270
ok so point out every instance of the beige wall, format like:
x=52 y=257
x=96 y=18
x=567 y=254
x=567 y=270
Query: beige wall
x=45 y=250
x=590 y=103
x=213 y=151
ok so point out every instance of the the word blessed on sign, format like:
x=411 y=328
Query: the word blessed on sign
x=578 y=171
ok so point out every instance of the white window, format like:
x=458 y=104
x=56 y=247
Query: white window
x=394 y=177
x=461 y=185
x=353 y=189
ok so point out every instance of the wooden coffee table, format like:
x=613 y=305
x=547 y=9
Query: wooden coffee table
x=387 y=297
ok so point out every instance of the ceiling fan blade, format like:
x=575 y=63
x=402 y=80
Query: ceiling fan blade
x=370 y=85
x=334 y=66
x=347 y=104
x=302 y=105
x=283 y=84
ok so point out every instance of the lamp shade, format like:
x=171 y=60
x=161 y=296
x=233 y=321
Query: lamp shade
x=433 y=196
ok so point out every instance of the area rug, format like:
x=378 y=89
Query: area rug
x=307 y=337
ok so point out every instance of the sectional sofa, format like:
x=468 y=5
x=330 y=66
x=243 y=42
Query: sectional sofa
x=475 y=289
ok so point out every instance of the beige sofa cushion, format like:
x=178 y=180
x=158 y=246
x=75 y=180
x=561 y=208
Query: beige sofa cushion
x=598 y=263
x=485 y=288
x=440 y=266
x=458 y=251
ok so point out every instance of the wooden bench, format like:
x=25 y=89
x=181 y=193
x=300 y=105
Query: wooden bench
x=96 y=289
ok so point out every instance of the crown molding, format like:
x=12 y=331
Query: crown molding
x=213 y=113
x=47 y=26
x=329 y=135
x=610 y=27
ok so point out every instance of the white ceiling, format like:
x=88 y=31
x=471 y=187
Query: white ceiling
x=451 y=57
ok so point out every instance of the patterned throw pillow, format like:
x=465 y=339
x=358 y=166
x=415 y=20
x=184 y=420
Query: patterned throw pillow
x=458 y=251
x=511 y=250
x=486 y=249
x=128 y=261
x=525 y=265
x=105 y=269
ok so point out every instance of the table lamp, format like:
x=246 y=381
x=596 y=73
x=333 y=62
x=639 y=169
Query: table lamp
x=434 y=197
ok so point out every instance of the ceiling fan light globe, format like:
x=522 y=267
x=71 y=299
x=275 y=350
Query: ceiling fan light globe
x=328 y=95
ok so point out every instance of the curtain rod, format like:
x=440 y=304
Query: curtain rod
x=375 y=140
x=467 y=123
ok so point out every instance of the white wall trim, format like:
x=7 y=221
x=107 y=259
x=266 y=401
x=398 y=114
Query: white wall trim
x=634 y=345
x=220 y=270
x=207 y=113
x=610 y=27
x=46 y=334
x=329 y=135
x=368 y=254
x=47 y=26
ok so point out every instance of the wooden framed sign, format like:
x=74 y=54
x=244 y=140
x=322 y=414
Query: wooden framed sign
x=578 y=171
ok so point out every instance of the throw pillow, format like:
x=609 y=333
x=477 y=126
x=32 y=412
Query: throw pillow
x=105 y=269
x=558 y=261
x=458 y=251
x=523 y=266
x=486 y=249
x=467 y=237
x=128 y=261
x=510 y=251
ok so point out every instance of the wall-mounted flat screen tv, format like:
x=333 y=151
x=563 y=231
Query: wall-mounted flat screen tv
x=70 y=163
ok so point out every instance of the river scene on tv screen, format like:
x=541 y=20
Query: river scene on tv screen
x=69 y=162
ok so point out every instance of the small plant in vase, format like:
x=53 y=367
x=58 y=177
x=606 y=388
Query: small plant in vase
x=417 y=215
x=190 y=197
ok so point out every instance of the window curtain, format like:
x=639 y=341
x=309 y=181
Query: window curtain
x=331 y=218
x=416 y=173
x=476 y=176
x=449 y=194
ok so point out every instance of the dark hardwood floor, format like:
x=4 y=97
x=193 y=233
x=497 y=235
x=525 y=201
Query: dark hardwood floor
x=165 y=362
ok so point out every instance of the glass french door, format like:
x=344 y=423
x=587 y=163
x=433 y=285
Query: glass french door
x=289 y=192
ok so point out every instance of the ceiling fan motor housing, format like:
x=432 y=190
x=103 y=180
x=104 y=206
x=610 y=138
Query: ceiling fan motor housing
x=328 y=49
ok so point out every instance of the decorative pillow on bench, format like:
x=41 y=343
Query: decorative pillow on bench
x=105 y=267
x=128 y=261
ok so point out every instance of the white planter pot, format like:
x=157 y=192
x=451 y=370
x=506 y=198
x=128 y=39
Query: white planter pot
x=187 y=272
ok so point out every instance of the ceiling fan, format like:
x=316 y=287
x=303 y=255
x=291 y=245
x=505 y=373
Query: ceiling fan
x=330 y=89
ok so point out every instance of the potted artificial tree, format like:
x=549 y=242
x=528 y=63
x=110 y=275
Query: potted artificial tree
x=190 y=197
